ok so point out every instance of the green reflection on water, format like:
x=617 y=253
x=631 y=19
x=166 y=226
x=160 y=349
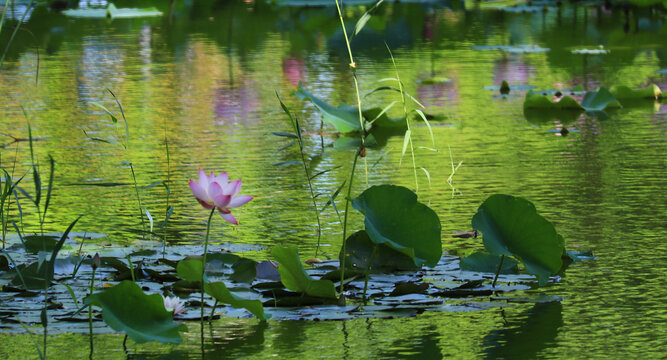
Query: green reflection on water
x=209 y=74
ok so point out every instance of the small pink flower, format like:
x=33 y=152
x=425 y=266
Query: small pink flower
x=216 y=191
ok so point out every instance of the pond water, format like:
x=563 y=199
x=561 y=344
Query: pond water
x=205 y=76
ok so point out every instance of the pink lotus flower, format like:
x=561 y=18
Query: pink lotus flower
x=216 y=191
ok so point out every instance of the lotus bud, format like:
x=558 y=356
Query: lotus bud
x=96 y=261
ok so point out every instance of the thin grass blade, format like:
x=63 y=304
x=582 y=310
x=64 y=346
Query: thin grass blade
x=406 y=141
x=333 y=196
x=428 y=125
x=50 y=188
x=364 y=19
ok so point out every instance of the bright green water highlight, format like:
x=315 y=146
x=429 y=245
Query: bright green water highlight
x=209 y=75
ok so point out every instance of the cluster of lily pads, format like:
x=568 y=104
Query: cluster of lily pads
x=395 y=262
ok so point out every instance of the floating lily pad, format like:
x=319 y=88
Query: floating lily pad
x=39 y=275
x=625 y=93
x=537 y=100
x=37 y=243
x=598 y=51
x=434 y=80
x=511 y=226
x=593 y=101
x=112 y=12
x=518 y=49
x=395 y=218
x=142 y=317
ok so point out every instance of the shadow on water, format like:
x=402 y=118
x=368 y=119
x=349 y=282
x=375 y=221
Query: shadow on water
x=425 y=346
x=527 y=335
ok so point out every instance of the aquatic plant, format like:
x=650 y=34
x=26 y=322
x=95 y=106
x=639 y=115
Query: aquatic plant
x=294 y=123
x=216 y=192
x=593 y=101
x=511 y=226
x=126 y=145
x=126 y=308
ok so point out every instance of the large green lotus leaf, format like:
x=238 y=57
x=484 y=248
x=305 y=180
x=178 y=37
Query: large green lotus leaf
x=142 y=317
x=535 y=100
x=625 y=93
x=599 y=100
x=488 y=263
x=295 y=278
x=190 y=269
x=511 y=226
x=359 y=248
x=220 y=292
x=344 y=118
x=395 y=218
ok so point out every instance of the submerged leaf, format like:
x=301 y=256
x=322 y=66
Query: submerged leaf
x=394 y=217
x=142 y=317
x=511 y=226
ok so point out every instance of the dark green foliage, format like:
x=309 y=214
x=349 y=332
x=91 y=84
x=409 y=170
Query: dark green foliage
x=511 y=226
x=295 y=278
x=488 y=263
x=395 y=218
x=359 y=250
x=142 y=317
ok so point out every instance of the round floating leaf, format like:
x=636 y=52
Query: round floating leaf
x=511 y=226
x=294 y=277
x=395 y=218
x=488 y=263
x=599 y=51
x=142 y=317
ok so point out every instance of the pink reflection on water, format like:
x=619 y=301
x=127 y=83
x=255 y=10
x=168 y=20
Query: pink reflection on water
x=513 y=70
x=294 y=70
x=234 y=103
